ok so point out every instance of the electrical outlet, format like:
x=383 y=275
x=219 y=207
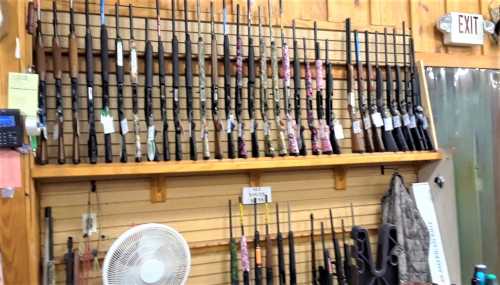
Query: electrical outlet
x=89 y=223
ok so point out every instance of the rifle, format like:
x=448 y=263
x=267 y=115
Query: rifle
x=396 y=130
x=163 y=88
x=227 y=84
x=203 y=96
x=296 y=88
x=264 y=104
x=242 y=149
x=269 y=249
x=218 y=128
x=245 y=263
x=42 y=151
x=175 y=86
x=313 y=254
x=293 y=148
x=363 y=109
x=348 y=266
x=357 y=141
x=339 y=269
x=281 y=253
x=309 y=105
x=120 y=77
x=422 y=121
x=330 y=114
x=89 y=63
x=69 y=258
x=258 y=254
x=152 y=151
x=324 y=131
x=389 y=142
x=106 y=117
x=376 y=118
x=134 y=81
x=291 y=251
x=401 y=104
x=73 y=58
x=282 y=151
x=49 y=266
x=233 y=250
x=326 y=275
x=56 y=50
x=193 y=155
x=251 y=84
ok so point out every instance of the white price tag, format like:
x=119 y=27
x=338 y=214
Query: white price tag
x=229 y=125
x=388 y=124
x=256 y=194
x=396 y=121
x=425 y=124
x=176 y=95
x=252 y=126
x=377 y=120
x=356 y=127
x=351 y=99
x=406 y=120
x=55 y=132
x=338 y=130
x=124 y=126
x=133 y=62
x=413 y=122
x=90 y=95
x=151 y=133
x=119 y=53
x=367 y=122
x=107 y=123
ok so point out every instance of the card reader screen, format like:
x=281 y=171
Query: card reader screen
x=7 y=121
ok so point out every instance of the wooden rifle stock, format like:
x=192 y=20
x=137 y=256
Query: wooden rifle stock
x=357 y=141
x=73 y=60
x=218 y=128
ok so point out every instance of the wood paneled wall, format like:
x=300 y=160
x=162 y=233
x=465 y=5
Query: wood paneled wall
x=197 y=207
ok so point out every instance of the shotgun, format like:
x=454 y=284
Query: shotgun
x=264 y=100
x=326 y=278
x=59 y=127
x=89 y=66
x=396 y=130
x=163 y=87
x=281 y=252
x=389 y=142
x=233 y=249
x=75 y=105
x=339 y=269
x=357 y=140
x=313 y=254
x=69 y=259
x=309 y=105
x=324 y=131
x=49 y=266
x=134 y=82
x=106 y=117
x=251 y=84
x=152 y=151
x=203 y=95
x=175 y=86
x=363 y=108
x=280 y=125
x=376 y=118
x=120 y=78
x=188 y=65
x=348 y=266
x=218 y=128
x=331 y=121
x=293 y=147
x=242 y=148
x=40 y=64
x=269 y=249
x=257 y=249
x=296 y=96
x=291 y=251
x=227 y=84
x=245 y=262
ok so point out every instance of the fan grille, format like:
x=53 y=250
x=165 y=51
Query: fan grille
x=135 y=248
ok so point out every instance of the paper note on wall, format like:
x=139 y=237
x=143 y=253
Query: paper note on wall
x=437 y=259
x=23 y=93
x=10 y=168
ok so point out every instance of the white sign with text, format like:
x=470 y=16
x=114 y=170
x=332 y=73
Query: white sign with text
x=250 y=194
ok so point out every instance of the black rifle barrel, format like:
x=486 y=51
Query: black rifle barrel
x=89 y=67
x=108 y=152
x=281 y=253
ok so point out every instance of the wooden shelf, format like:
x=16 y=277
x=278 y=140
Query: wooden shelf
x=179 y=168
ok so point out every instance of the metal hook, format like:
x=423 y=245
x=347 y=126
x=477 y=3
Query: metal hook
x=383 y=168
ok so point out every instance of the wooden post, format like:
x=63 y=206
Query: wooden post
x=340 y=179
x=158 y=192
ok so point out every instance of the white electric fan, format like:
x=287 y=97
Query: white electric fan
x=149 y=254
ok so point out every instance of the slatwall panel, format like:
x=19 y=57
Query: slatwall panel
x=197 y=207
x=336 y=54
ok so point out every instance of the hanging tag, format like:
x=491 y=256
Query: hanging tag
x=388 y=124
x=107 y=122
x=425 y=123
x=124 y=126
x=352 y=101
x=413 y=122
x=151 y=150
x=55 y=131
x=377 y=120
x=406 y=120
x=133 y=62
x=356 y=127
x=176 y=95
x=240 y=129
x=18 y=49
x=119 y=53
x=396 y=122
x=338 y=130
x=367 y=122
x=151 y=133
x=229 y=126
x=252 y=126
x=90 y=94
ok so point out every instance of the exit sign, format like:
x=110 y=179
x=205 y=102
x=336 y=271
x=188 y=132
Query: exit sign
x=462 y=28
